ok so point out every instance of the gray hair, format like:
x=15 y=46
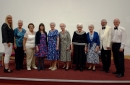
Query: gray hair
x=103 y=20
x=116 y=19
x=20 y=21
x=91 y=25
x=53 y=23
x=62 y=24
x=80 y=24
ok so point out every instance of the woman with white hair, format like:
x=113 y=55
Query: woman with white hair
x=18 y=44
x=65 y=42
x=79 y=42
x=93 y=47
x=53 y=46
x=7 y=40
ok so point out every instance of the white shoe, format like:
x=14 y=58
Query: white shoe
x=34 y=67
x=50 y=67
x=29 y=69
x=53 y=69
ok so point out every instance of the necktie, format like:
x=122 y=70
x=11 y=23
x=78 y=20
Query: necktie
x=103 y=27
x=115 y=28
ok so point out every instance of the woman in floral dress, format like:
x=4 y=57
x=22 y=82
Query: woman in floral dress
x=41 y=46
x=53 y=46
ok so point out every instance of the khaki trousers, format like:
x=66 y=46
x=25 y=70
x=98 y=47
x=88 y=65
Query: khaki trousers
x=30 y=57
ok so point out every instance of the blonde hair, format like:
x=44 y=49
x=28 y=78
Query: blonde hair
x=6 y=21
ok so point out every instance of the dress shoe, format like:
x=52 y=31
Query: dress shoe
x=81 y=69
x=114 y=73
x=66 y=69
x=76 y=68
x=106 y=71
x=119 y=75
x=102 y=70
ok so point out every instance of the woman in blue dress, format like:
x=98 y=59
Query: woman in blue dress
x=41 y=46
x=53 y=46
x=93 y=48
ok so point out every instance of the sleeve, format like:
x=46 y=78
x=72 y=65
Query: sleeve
x=85 y=38
x=68 y=40
x=57 y=33
x=124 y=39
x=26 y=35
x=4 y=32
x=73 y=38
x=98 y=41
x=109 y=38
x=15 y=33
x=46 y=38
x=36 y=39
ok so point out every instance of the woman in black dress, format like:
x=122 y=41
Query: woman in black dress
x=79 y=47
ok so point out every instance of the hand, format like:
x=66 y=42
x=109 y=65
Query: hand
x=108 y=48
x=121 y=49
x=72 y=49
x=57 y=48
x=15 y=47
x=67 y=49
x=97 y=49
x=37 y=49
x=24 y=49
x=8 y=44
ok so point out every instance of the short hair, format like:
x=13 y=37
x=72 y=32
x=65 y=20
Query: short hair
x=20 y=21
x=52 y=23
x=63 y=24
x=103 y=20
x=116 y=19
x=80 y=24
x=91 y=25
x=30 y=24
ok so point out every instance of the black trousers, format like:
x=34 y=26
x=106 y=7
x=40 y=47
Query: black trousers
x=118 y=58
x=106 y=59
x=19 y=57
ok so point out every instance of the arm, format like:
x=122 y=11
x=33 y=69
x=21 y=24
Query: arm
x=4 y=32
x=68 y=40
x=73 y=39
x=57 y=44
x=36 y=39
x=124 y=39
x=46 y=40
x=109 y=38
x=24 y=41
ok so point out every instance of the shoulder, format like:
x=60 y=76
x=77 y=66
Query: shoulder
x=4 y=25
x=23 y=29
x=95 y=32
x=108 y=27
x=122 y=28
x=15 y=29
x=67 y=32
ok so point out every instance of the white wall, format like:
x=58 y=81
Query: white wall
x=70 y=12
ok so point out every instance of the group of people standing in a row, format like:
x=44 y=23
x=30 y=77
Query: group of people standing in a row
x=57 y=46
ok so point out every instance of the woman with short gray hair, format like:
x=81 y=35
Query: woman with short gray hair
x=79 y=47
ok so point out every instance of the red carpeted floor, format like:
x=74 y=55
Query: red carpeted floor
x=71 y=74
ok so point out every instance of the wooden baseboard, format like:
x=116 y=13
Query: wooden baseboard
x=127 y=56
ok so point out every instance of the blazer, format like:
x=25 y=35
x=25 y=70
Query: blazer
x=105 y=38
x=38 y=36
x=7 y=34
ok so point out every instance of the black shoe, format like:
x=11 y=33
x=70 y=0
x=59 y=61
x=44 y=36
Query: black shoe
x=119 y=75
x=81 y=69
x=114 y=73
x=7 y=71
x=39 y=69
x=106 y=71
x=43 y=68
x=103 y=70
x=76 y=68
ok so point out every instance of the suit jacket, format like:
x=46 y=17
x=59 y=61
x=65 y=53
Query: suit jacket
x=105 y=39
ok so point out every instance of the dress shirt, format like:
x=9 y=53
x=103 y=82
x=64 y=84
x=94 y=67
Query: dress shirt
x=119 y=36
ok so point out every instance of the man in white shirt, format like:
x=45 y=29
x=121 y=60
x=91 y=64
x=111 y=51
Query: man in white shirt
x=119 y=38
x=105 y=45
